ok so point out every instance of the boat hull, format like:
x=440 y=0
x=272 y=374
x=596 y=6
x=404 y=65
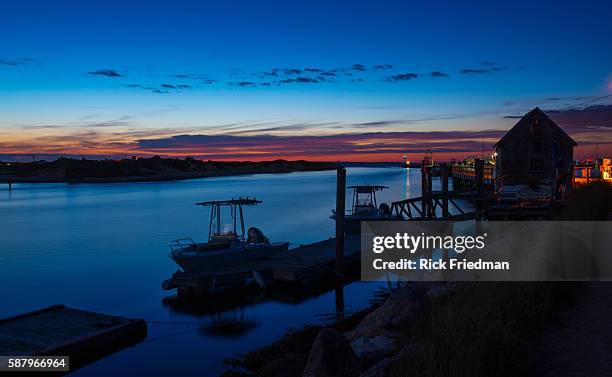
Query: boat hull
x=190 y=260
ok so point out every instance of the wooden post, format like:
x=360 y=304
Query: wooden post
x=445 y=213
x=340 y=191
x=423 y=189
x=479 y=172
x=430 y=207
x=478 y=183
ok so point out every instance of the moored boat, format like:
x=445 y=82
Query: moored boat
x=365 y=208
x=228 y=244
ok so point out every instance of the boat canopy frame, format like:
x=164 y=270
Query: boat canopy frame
x=236 y=213
x=369 y=191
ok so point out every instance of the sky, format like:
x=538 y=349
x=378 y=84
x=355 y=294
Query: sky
x=315 y=80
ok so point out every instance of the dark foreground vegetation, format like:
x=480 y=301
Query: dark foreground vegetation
x=143 y=169
x=493 y=329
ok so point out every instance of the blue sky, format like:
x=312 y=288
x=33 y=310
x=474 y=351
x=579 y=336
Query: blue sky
x=104 y=75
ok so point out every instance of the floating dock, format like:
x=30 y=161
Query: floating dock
x=302 y=265
x=62 y=331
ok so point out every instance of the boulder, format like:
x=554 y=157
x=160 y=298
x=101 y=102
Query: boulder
x=398 y=310
x=331 y=356
x=286 y=366
x=372 y=350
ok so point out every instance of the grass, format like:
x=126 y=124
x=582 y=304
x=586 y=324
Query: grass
x=484 y=329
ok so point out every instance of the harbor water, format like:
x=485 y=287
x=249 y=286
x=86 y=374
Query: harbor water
x=103 y=247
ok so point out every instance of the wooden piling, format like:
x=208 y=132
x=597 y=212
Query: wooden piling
x=424 y=187
x=479 y=172
x=340 y=200
x=430 y=207
x=445 y=190
x=479 y=184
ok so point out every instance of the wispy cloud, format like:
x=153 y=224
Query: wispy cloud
x=243 y=84
x=438 y=74
x=105 y=72
x=401 y=77
x=18 y=62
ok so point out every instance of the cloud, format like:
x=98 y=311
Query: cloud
x=401 y=77
x=382 y=66
x=243 y=84
x=18 y=62
x=579 y=98
x=190 y=76
x=438 y=74
x=491 y=68
x=358 y=67
x=472 y=71
x=313 y=70
x=299 y=80
x=105 y=72
x=323 y=146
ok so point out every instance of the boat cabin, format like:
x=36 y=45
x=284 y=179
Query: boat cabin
x=364 y=197
x=220 y=232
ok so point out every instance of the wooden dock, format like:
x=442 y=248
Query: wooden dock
x=62 y=331
x=301 y=265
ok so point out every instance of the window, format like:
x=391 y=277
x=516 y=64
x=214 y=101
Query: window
x=536 y=164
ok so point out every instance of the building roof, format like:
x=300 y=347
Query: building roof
x=525 y=119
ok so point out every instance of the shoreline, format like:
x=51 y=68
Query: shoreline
x=146 y=170
x=155 y=178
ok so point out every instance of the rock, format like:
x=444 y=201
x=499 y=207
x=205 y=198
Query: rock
x=380 y=369
x=331 y=356
x=286 y=366
x=397 y=310
x=372 y=350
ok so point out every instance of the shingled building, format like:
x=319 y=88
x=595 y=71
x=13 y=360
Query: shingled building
x=536 y=149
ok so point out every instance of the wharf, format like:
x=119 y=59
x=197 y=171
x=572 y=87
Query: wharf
x=58 y=330
x=299 y=266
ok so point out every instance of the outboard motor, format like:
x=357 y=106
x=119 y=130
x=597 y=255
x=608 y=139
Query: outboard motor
x=256 y=236
x=384 y=210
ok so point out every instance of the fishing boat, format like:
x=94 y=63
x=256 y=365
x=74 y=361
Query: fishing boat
x=227 y=245
x=365 y=208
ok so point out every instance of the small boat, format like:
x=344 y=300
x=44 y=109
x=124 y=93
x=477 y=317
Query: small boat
x=365 y=208
x=227 y=245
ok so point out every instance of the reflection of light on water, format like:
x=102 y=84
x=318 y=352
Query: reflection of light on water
x=407 y=183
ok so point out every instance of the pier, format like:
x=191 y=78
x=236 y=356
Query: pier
x=302 y=265
x=58 y=330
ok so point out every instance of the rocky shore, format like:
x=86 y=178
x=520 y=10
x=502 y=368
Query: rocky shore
x=422 y=329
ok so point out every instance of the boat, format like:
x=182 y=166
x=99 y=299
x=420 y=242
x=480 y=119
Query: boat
x=227 y=244
x=365 y=208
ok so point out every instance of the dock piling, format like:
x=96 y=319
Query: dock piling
x=424 y=186
x=445 y=190
x=340 y=200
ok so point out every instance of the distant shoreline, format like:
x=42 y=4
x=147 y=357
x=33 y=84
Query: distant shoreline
x=155 y=169
x=153 y=178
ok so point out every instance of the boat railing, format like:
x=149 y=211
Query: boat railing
x=182 y=243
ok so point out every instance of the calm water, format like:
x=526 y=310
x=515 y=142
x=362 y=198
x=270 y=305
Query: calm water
x=104 y=248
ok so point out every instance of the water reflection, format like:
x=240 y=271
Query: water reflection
x=55 y=235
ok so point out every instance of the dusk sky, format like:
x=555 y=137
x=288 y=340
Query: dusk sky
x=360 y=81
